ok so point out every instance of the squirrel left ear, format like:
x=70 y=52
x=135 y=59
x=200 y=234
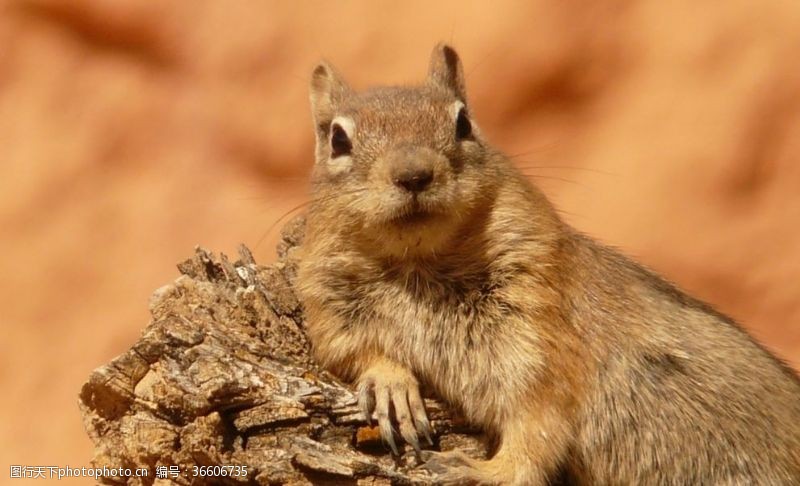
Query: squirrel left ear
x=445 y=71
x=327 y=90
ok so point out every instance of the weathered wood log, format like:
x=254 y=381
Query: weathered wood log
x=222 y=376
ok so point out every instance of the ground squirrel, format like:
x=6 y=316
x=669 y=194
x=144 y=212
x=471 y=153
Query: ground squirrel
x=429 y=260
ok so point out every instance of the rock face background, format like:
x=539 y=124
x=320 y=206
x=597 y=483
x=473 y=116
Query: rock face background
x=131 y=131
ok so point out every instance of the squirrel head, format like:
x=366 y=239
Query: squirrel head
x=404 y=165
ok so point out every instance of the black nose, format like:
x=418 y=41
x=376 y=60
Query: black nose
x=414 y=180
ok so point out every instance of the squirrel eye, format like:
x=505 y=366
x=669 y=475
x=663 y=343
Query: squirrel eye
x=463 y=125
x=340 y=142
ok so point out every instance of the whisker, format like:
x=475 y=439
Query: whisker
x=283 y=178
x=568 y=213
x=301 y=206
x=272 y=226
x=554 y=178
x=565 y=167
x=253 y=198
x=535 y=150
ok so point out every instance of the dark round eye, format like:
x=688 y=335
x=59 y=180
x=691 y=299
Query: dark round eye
x=340 y=142
x=463 y=125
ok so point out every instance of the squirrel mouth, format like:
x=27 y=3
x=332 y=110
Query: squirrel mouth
x=416 y=217
x=413 y=214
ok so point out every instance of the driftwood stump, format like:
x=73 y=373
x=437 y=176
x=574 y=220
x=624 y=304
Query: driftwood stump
x=222 y=376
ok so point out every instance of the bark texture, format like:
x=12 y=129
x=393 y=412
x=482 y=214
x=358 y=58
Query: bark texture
x=222 y=376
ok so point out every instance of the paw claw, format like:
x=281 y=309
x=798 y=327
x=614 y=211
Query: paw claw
x=415 y=445
x=366 y=402
x=389 y=439
x=391 y=391
x=425 y=428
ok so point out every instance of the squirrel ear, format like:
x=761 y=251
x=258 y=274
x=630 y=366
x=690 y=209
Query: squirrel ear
x=445 y=71
x=327 y=90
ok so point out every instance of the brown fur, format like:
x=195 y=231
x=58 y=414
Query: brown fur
x=573 y=357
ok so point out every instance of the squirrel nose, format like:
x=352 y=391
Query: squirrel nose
x=414 y=180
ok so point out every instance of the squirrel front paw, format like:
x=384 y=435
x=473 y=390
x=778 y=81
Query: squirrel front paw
x=386 y=389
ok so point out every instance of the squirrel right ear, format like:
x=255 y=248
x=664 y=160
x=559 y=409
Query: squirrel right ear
x=445 y=71
x=327 y=90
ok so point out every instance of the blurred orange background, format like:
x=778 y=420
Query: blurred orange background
x=131 y=131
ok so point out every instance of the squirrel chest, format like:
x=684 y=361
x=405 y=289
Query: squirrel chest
x=435 y=320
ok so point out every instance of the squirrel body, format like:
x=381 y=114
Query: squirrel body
x=429 y=260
